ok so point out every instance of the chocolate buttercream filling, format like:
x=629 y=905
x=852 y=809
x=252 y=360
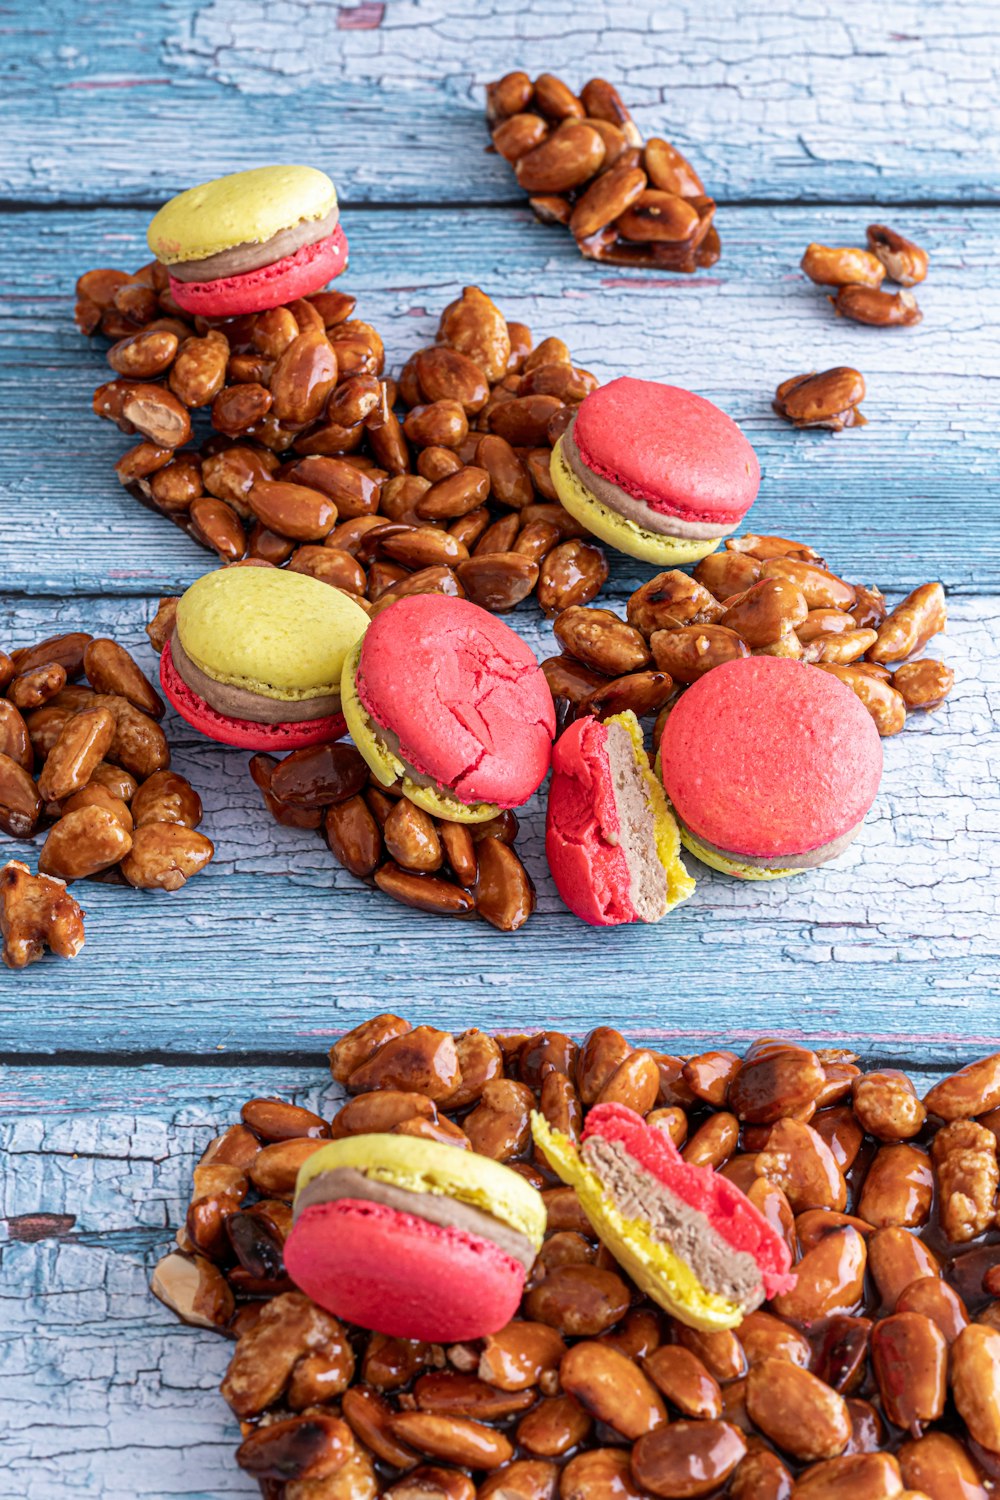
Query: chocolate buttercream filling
x=637 y=1194
x=251 y=256
x=242 y=703
x=624 y=504
x=810 y=860
x=647 y=877
x=436 y=1208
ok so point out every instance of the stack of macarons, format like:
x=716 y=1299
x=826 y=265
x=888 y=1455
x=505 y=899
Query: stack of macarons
x=770 y=766
x=655 y=471
x=611 y=840
x=250 y=241
x=445 y=699
x=413 y=1238
x=256 y=656
x=688 y=1237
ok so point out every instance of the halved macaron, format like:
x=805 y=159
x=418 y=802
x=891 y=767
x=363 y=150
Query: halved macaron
x=610 y=837
x=655 y=471
x=256 y=656
x=444 y=697
x=413 y=1238
x=770 y=767
x=250 y=241
x=688 y=1237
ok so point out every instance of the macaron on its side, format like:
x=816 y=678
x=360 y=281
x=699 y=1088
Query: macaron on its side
x=413 y=1238
x=469 y=723
x=655 y=470
x=619 y=531
x=611 y=841
x=256 y=656
x=770 y=766
x=699 y=1249
x=296 y=275
x=243 y=734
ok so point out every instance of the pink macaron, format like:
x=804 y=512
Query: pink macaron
x=771 y=766
x=448 y=697
x=655 y=470
x=610 y=840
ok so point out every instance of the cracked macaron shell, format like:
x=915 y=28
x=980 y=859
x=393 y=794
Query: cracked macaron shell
x=618 y=530
x=242 y=208
x=768 y=757
x=283 y=635
x=672 y=449
x=583 y=829
x=463 y=695
x=432 y=1167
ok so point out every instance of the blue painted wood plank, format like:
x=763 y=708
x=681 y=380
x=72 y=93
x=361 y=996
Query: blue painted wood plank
x=911 y=496
x=273 y=948
x=774 y=102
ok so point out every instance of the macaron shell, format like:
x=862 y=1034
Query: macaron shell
x=618 y=531
x=244 y=734
x=669 y=447
x=654 y=1268
x=241 y=208
x=472 y=711
x=400 y=1275
x=769 y=757
x=297 y=275
x=268 y=630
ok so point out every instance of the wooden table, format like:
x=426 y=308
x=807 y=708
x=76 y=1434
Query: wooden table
x=806 y=125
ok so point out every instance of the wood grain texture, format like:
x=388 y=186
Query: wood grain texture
x=896 y=101
x=274 y=947
x=912 y=495
x=244 y=978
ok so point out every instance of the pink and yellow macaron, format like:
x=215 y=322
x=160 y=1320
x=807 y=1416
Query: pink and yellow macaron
x=413 y=1238
x=445 y=698
x=770 y=766
x=610 y=837
x=655 y=471
x=256 y=655
x=250 y=241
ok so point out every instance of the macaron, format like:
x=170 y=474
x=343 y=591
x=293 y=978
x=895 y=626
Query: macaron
x=413 y=1238
x=250 y=241
x=770 y=766
x=688 y=1237
x=447 y=699
x=256 y=656
x=655 y=471
x=612 y=843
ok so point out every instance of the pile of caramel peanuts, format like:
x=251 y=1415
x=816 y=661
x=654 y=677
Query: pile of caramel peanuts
x=90 y=759
x=875 y=1376
x=584 y=165
x=310 y=465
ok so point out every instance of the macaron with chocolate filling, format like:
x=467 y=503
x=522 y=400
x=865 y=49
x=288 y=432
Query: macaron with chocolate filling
x=655 y=471
x=413 y=1238
x=688 y=1237
x=610 y=837
x=250 y=241
x=256 y=656
x=445 y=698
x=770 y=766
